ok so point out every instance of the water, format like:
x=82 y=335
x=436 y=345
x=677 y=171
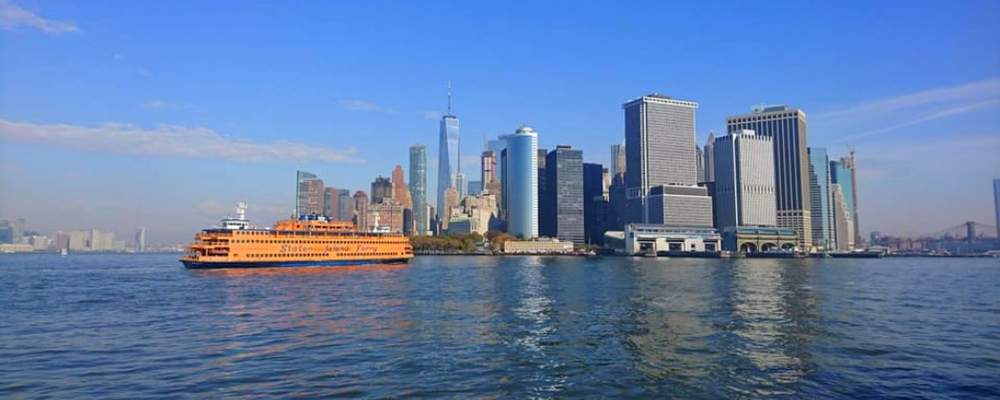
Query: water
x=130 y=326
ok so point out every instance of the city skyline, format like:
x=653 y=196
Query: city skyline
x=136 y=143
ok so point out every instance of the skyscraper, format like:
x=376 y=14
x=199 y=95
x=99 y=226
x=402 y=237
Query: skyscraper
x=381 y=189
x=140 y=239
x=308 y=194
x=787 y=129
x=699 y=163
x=418 y=187
x=843 y=172
x=659 y=149
x=819 y=190
x=843 y=225
x=361 y=211
x=543 y=228
x=17 y=233
x=709 y=169
x=594 y=203
x=617 y=159
x=461 y=185
x=400 y=191
x=849 y=171
x=488 y=165
x=331 y=208
x=564 y=194
x=448 y=156
x=744 y=180
x=520 y=182
x=996 y=204
x=345 y=205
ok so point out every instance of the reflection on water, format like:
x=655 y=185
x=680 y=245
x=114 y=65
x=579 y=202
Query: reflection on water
x=773 y=309
x=500 y=327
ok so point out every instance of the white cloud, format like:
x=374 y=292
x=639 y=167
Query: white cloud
x=13 y=18
x=362 y=105
x=972 y=91
x=169 y=141
x=926 y=118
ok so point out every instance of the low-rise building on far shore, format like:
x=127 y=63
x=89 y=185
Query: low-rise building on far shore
x=538 y=246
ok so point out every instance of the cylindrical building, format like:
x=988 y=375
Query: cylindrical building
x=521 y=183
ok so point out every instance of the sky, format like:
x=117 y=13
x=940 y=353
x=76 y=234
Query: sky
x=117 y=114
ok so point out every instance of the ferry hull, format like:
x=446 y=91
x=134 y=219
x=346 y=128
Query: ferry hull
x=286 y=264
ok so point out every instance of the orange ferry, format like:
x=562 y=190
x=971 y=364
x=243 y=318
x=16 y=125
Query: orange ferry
x=306 y=241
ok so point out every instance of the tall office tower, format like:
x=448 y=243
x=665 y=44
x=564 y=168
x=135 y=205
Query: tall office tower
x=6 y=232
x=699 y=163
x=659 y=150
x=605 y=183
x=843 y=225
x=381 y=189
x=400 y=191
x=543 y=227
x=331 y=208
x=308 y=194
x=345 y=205
x=851 y=164
x=594 y=202
x=140 y=239
x=744 y=180
x=617 y=159
x=787 y=129
x=361 y=211
x=475 y=187
x=17 y=233
x=519 y=177
x=709 y=174
x=996 y=204
x=843 y=173
x=819 y=201
x=448 y=158
x=418 y=187
x=461 y=185
x=488 y=165
x=542 y=186
x=564 y=195
x=615 y=220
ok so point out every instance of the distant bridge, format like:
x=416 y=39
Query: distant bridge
x=969 y=230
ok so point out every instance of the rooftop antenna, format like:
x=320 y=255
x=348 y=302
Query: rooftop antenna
x=449 y=97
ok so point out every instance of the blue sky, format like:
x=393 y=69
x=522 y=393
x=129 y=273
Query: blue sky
x=118 y=114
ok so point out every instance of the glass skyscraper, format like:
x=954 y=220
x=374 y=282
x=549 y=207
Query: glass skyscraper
x=447 y=156
x=819 y=186
x=520 y=182
x=564 y=194
x=418 y=187
x=843 y=172
x=594 y=204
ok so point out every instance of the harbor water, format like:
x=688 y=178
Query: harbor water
x=141 y=326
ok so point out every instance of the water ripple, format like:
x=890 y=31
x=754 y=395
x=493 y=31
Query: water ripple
x=116 y=326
